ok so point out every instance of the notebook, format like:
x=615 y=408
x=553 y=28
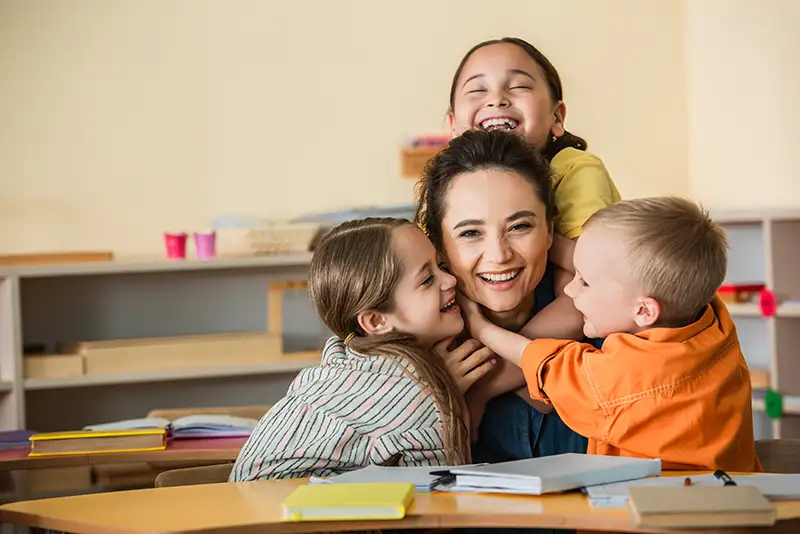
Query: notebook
x=190 y=426
x=421 y=477
x=551 y=474
x=348 y=502
x=700 y=506
x=87 y=442
x=775 y=487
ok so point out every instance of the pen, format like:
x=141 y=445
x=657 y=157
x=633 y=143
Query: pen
x=719 y=474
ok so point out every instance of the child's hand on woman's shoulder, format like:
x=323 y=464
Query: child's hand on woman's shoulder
x=467 y=363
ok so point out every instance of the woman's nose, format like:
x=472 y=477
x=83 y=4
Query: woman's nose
x=499 y=251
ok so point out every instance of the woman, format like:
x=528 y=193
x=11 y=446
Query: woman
x=485 y=202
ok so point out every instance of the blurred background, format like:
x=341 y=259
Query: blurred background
x=122 y=119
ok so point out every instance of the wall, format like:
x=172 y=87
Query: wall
x=125 y=118
x=743 y=80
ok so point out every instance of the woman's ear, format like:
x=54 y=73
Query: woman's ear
x=559 y=118
x=451 y=121
x=549 y=234
x=373 y=322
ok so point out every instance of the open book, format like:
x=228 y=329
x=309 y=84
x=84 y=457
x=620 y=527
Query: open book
x=190 y=426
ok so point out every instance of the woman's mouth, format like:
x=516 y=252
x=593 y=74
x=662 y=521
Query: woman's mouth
x=498 y=123
x=500 y=281
x=450 y=307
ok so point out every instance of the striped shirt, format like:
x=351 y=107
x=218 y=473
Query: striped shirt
x=350 y=411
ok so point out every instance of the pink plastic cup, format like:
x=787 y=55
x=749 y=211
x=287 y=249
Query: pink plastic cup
x=205 y=245
x=176 y=246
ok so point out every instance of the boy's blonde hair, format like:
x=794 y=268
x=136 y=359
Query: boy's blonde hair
x=678 y=255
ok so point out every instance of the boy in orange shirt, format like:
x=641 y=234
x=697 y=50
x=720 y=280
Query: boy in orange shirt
x=670 y=381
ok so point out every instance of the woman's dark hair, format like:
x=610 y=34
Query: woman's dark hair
x=476 y=150
x=553 y=82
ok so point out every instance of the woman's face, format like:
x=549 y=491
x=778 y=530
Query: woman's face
x=495 y=238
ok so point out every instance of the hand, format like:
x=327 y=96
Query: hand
x=466 y=363
x=473 y=316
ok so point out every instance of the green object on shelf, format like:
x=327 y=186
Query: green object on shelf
x=773 y=403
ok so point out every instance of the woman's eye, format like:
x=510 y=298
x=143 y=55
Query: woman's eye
x=522 y=226
x=443 y=267
x=469 y=233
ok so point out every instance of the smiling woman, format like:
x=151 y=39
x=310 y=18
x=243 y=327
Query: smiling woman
x=486 y=204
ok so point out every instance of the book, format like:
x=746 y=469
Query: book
x=424 y=478
x=700 y=507
x=15 y=439
x=550 y=474
x=88 y=442
x=775 y=487
x=189 y=426
x=348 y=502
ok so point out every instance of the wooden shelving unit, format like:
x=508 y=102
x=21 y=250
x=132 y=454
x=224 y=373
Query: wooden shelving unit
x=765 y=248
x=141 y=298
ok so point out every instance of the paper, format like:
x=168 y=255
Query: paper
x=421 y=477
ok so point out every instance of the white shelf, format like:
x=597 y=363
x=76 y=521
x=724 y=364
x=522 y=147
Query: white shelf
x=786 y=310
x=288 y=364
x=150 y=265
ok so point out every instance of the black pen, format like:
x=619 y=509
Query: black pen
x=719 y=474
x=445 y=478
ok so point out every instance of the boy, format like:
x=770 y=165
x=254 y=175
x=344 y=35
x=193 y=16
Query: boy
x=670 y=381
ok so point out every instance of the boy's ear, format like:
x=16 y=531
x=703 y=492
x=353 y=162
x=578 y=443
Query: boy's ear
x=647 y=312
x=374 y=322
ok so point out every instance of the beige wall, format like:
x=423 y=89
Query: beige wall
x=120 y=119
x=743 y=74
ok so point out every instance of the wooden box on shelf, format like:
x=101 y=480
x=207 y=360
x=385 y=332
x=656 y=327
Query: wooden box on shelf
x=414 y=159
x=52 y=365
x=177 y=352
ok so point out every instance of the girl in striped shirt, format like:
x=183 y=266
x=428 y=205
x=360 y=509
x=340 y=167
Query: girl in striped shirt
x=389 y=390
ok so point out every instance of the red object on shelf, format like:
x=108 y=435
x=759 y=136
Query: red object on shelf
x=766 y=299
x=739 y=293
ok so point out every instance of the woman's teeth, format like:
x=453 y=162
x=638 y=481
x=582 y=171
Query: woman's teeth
x=501 y=123
x=449 y=305
x=499 y=277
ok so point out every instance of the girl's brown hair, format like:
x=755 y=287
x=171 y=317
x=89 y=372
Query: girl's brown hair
x=553 y=83
x=355 y=268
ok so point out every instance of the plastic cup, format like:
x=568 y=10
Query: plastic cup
x=176 y=246
x=205 y=244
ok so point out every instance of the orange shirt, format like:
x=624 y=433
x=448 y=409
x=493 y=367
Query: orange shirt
x=679 y=394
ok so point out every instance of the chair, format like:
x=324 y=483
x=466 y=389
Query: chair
x=189 y=476
x=779 y=455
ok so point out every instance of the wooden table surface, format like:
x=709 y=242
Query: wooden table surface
x=251 y=507
x=178 y=450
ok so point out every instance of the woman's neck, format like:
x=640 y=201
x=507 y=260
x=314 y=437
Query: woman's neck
x=512 y=320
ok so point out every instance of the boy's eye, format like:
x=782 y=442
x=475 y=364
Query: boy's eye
x=477 y=90
x=583 y=282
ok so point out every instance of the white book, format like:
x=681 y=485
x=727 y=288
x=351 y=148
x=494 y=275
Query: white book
x=189 y=426
x=550 y=474
x=422 y=477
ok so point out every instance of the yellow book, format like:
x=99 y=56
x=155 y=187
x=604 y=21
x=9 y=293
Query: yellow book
x=89 y=442
x=348 y=502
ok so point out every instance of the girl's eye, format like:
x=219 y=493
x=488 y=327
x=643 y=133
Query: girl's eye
x=428 y=280
x=469 y=233
x=521 y=87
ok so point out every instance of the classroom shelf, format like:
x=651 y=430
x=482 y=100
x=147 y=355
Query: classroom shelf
x=290 y=363
x=138 y=298
x=765 y=249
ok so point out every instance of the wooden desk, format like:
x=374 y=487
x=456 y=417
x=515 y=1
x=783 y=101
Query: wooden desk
x=251 y=507
x=179 y=450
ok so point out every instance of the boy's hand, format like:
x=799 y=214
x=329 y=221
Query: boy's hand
x=466 y=363
x=473 y=316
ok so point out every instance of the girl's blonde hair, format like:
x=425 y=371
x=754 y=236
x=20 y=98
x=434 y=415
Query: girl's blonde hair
x=355 y=268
